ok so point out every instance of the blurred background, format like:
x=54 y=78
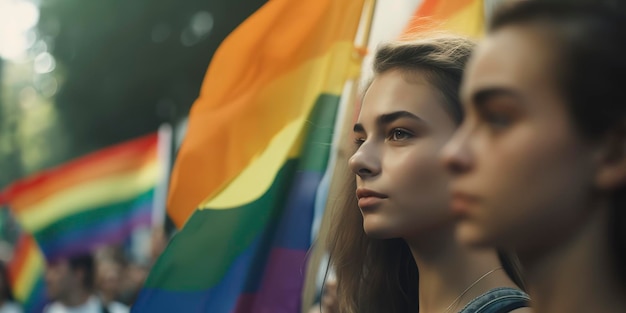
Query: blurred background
x=76 y=77
x=79 y=77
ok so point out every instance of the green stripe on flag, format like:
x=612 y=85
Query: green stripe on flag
x=212 y=239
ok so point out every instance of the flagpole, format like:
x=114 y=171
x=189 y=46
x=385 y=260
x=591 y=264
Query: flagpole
x=164 y=146
x=338 y=177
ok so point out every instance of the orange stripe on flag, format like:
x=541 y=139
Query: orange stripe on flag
x=459 y=16
x=15 y=267
x=442 y=9
x=238 y=111
x=121 y=159
x=25 y=269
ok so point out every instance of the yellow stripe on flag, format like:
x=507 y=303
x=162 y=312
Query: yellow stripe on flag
x=31 y=271
x=254 y=180
x=87 y=196
x=265 y=75
x=464 y=17
x=468 y=21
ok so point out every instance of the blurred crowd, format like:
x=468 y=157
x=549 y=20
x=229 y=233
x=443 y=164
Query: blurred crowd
x=105 y=281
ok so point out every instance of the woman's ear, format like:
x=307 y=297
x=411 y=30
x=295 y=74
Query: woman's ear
x=611 y=172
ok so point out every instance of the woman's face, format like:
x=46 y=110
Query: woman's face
x=522 y=174
x=401 y=128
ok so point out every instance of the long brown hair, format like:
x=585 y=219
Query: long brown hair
x=380 y=275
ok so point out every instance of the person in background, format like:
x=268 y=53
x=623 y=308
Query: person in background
x=326 y=298
x=7 y=302
x=70 y=284
x=135 y=274
x=108 y=281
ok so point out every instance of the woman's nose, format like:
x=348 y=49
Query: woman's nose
x=456 y=155
x=365 y=162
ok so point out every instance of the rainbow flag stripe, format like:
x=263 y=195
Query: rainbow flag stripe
x=96 y=199
x=26 y=275
x=465 y=17
x=266 y=74
x=256 y=149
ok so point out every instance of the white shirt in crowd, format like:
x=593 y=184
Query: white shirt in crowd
x=10 y=307
x=93 y=305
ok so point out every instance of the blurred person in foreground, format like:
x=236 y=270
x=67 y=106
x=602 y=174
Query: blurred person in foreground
x=539 y=162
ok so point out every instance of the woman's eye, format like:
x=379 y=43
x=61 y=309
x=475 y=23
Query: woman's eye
x=398 y=134
x=498 y=115
x=497 y=121
x=359 y=141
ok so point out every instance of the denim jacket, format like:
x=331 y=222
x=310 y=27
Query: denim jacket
x=498 y=300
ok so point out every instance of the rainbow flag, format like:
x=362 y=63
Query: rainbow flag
x=26 y=270
x=465 y=17
x=256 y=149
x=96 y=199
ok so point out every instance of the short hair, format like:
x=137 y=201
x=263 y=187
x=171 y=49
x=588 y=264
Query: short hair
x=86 y=263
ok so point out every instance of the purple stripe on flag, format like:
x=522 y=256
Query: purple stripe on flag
x=108 y=231
x=281 y=287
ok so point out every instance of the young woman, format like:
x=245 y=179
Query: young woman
x=539 y=162
x=396 y=217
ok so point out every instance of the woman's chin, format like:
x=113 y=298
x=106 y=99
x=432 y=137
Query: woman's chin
x=378 y=230
x=473 y=236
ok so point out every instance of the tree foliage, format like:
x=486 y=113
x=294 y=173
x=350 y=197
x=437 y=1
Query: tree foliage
x=124 y=68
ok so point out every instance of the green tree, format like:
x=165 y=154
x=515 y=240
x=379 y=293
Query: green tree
x=123 y=67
